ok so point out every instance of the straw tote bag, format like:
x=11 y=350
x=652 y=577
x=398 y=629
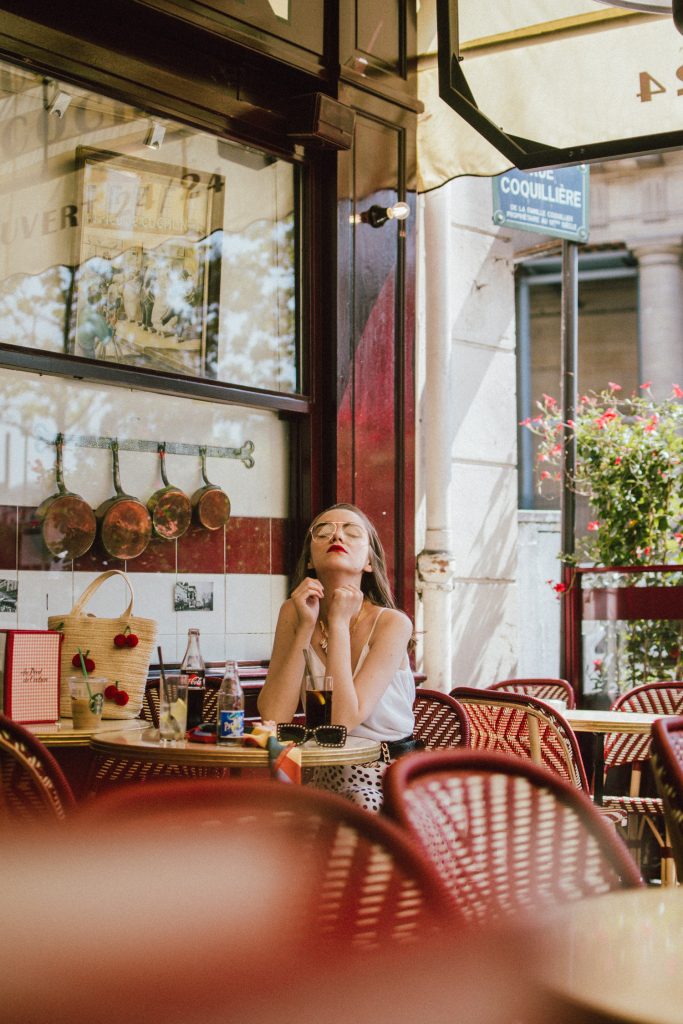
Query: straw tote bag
x=127 y=665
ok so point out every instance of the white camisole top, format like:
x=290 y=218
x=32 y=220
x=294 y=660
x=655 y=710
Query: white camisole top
x=392 y=717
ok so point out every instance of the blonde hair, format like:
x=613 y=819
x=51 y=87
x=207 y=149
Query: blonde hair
x=375 y=583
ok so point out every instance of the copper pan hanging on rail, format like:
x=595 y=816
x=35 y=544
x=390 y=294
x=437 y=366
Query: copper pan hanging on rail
x=125 y=523
x=210 y=504
x=68 y=524
x=169 y=507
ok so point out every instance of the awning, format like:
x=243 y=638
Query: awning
x=541 y=83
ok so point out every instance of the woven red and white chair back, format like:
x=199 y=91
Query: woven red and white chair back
x=667 y=767
x=506 y=836
x=33 y=788
x=665 y=698
x=440 y=721
x=523 y=726
x=542 y=688
x=365 y=881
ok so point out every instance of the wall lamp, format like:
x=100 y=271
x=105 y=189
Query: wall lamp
x=376 y=216
x=60 y=101
x=155 y=135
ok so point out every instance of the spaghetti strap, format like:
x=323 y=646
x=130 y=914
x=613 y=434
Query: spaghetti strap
x=373 y=627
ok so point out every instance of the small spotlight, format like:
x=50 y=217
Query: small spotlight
x=376 y=216
x=155 y=135
x=59 y=103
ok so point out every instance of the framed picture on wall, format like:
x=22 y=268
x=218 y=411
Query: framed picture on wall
x=147 y=270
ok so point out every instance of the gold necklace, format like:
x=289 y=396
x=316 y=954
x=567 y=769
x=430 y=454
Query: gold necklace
x=323 y=628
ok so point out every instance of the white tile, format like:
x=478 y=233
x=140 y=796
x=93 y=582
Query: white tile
x=154 y=599
x=110 y=598
x=248 y=604
x=212 y=646
x=171 y=646
x=42 y=594
x=279 y=586
x=249 y=646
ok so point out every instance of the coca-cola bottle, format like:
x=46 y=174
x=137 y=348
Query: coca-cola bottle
x=230 y=707
x=193 y=673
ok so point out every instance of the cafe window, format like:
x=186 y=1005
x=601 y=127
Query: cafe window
x=135 y=240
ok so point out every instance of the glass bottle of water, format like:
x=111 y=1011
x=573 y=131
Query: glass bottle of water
x=230 y=707
x=193 y=675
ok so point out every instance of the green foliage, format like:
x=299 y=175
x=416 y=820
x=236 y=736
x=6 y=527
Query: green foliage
x=629 y=465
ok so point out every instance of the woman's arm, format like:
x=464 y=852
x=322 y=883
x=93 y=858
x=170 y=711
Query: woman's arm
x=281 y=691
x=355 y=699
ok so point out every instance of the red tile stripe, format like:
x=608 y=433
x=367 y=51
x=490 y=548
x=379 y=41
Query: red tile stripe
x=249 y=545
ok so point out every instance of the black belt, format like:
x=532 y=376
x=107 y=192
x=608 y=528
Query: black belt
x=397 y=748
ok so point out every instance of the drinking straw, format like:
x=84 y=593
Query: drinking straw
x=84 y=669
x=163 y=674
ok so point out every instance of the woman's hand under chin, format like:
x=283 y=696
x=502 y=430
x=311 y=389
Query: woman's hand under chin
x=346 y=603
x=306 y=599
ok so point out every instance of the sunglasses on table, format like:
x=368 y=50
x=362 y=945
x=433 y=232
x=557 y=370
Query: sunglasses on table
x=325 y=531
x=324 y=735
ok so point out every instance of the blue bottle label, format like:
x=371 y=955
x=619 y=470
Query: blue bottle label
x=230 y=724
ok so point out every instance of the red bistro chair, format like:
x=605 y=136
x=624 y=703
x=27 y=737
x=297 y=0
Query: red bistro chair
x=439 y=720
x=507 y=836
x=633 y=749
x=365 y=880
x=667 y=767
x=543 y=689
x=33 y=788
x=517 y=724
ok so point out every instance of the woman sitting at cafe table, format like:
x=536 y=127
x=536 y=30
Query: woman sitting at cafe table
x=341 y=611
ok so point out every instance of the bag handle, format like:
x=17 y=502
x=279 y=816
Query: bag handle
x=95 y=585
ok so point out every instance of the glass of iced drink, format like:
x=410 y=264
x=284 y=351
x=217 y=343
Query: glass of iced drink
x=172 y=708
x=87 y=700
x=318 y=703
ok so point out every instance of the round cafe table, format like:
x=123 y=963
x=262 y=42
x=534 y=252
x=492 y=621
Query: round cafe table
x=132 y=746
x=617 y=956
x=63 y=734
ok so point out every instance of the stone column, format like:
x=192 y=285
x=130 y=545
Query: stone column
x=435 y=563
x=661 y=314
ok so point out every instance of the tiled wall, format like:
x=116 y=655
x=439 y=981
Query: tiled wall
x=244 y=561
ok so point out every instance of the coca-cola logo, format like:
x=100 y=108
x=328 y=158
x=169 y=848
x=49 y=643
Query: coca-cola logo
x=195 y=680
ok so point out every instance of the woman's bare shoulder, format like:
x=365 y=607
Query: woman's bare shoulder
x=394 y=619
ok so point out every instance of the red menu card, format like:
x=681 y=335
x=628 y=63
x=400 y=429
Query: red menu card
x=29 y=674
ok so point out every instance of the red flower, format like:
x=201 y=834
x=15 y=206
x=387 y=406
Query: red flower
x=678 y=392
x=613 y=386
x=593 y=526
x=617 y=461
x=526 y=422
x=545 y=475
x=678 y=537
x=645 y=386
x=560 y=588
x=550 y=402
x=597 y=662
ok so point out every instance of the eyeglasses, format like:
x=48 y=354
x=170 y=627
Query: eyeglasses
x=325 y=531
x=324 y=735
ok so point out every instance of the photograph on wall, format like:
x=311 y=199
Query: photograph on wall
x=148 y=264
x=8 y=595
x=193 y=597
